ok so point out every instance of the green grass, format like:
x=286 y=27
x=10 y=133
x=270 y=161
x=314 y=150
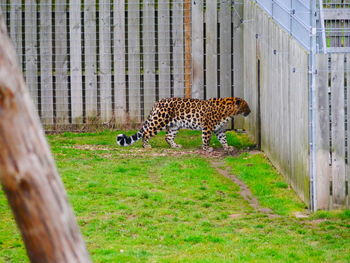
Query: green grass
x=136 y=205
x=265 y=183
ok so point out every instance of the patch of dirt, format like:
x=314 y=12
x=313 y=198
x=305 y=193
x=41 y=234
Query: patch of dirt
x=154 y=152
x=244 y=190
x=236 y=215
x=90 y=147
x=301 y=215
x=171 y=152
x=317 y=221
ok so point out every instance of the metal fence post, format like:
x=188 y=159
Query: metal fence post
x=312 y=110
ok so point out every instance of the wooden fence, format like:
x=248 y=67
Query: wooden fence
x=332 y=122
x=276 y=86
x=107 y=61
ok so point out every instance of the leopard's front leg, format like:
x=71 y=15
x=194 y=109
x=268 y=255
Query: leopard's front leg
x=171 y=133
x=221 y=135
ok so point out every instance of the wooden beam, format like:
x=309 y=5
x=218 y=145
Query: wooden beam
x=336 y=13
x=188 y=57
x=28 y=174
x=338 y=49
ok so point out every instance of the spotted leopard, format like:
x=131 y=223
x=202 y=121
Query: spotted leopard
x=172 y=114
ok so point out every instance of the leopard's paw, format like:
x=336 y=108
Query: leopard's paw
x=208 y=149
x=229 y=149
x=147 y=146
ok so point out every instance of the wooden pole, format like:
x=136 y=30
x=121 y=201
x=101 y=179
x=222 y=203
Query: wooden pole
x=188 y=52
x=28 y=174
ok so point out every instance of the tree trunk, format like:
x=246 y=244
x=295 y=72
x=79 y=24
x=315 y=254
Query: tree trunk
x=28 y=174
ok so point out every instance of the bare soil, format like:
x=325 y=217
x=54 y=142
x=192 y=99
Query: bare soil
x=244 y=189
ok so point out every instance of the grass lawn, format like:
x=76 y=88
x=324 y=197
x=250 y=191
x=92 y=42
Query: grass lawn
x=166 y=205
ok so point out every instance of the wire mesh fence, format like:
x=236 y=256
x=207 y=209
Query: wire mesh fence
x=335 y=25
x=106 y=61
x=336 y=3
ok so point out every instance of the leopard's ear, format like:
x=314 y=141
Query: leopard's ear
x=238 y=102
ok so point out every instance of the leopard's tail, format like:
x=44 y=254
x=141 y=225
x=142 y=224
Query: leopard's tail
x=124 y=140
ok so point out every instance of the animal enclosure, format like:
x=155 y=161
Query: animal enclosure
x=91 y=63
x=105 y=62
x=304 y=134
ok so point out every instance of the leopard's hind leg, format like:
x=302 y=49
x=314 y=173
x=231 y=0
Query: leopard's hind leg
x=206 y=136
x=155 y=123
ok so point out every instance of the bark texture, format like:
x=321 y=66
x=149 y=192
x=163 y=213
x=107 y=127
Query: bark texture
x=28 y=174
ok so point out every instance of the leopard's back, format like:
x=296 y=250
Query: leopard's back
x=184 y=113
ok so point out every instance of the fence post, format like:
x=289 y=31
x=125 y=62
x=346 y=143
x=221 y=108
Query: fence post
x=188 y=58
x=312 y=110
x=28 y=174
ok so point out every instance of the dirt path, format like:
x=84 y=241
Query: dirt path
x=215 y=158
x=244 y=189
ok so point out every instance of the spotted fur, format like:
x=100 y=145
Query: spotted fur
x=173 y=114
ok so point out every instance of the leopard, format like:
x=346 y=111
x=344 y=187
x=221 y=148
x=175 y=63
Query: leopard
x=172 y=114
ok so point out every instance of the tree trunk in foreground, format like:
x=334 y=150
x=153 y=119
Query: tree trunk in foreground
x=28 y=174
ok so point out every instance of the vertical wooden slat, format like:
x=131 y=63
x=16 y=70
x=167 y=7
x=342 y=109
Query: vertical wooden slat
x=75 y=61
x=238 y=53
x=274 y=96
x=269 y=74
x=149 y=50
x=178 y=49
x=285 y=103
x=46 y=62
x=164 y=48
x=197 y=49
x=105 y=60
x=225 y=48
x=291 y=74
x=338 y=129
x=251 y=120
x=323 y=169
x=90 y=65
x=188 y=56
x=119 y=61
x=302 y=123
x=245 y=57
x=262 y=39
x=282 y=118
x=134 y=59
x=31 y=65
x=211 y=18
x=250 y=73
x=275 y=92
x=347 y=167
x=16 y=28
x=61 y=63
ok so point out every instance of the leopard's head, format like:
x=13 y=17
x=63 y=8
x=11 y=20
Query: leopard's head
x=241 y=106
